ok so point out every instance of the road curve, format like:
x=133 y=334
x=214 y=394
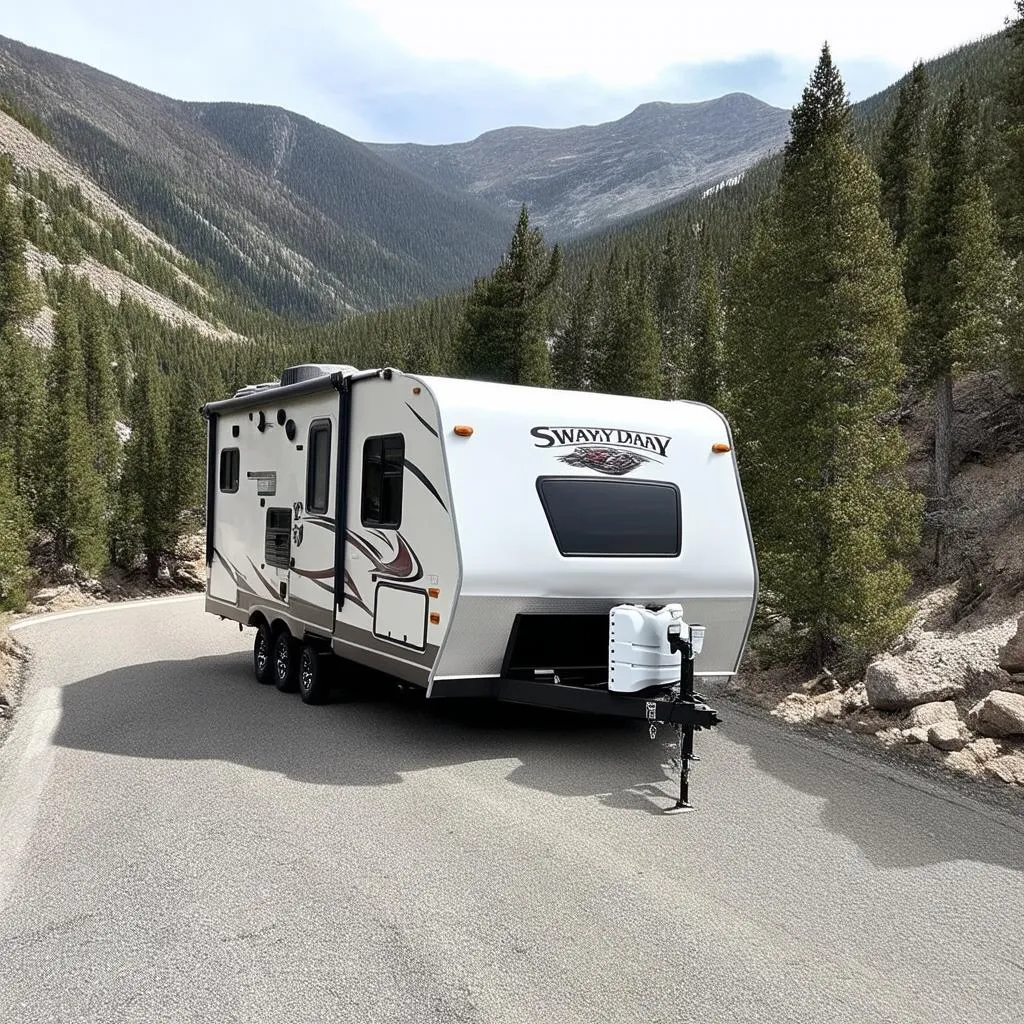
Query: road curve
x=180 y=844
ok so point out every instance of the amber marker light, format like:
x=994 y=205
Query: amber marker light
x=463 y=431
x=416 y=391
x=434 y=591
x=435 y=618
x=720 y=447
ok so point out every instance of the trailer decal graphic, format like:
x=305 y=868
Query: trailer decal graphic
x=612 y=461
x=354 y=597
x=421 y=419
x=314 y=574
x=412 y=467
x=265 y=581
x=404 y=566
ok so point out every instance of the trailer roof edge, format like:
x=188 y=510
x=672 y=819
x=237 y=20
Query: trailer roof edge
x=326 y=382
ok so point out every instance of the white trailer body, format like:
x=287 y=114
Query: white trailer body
x=566 y=549
x=484 y=524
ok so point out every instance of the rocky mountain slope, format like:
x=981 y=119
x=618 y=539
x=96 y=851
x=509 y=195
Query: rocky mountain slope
x=581 y=179
x=307 y=222
x=293 y=216
x=96 y=212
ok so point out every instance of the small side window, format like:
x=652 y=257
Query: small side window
x=229 y=470
x=278 y=547
x=318 y=467
x=383 y=472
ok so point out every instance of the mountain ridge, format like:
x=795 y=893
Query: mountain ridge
x=586 y=177
x=312 y=224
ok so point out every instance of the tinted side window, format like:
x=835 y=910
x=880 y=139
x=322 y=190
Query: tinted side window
x=318 y=467
x=383 y=471
x=612 y=518
x=229 y=470
x=278 y=547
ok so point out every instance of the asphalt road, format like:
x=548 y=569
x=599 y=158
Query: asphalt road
x=180 y=844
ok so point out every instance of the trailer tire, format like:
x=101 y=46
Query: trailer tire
x=286 y=662
x=263 y=655
x=313 y=678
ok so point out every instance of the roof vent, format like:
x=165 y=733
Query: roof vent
x=251 y=389
x=307 y=371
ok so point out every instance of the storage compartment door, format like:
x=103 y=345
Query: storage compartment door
x=400 y=615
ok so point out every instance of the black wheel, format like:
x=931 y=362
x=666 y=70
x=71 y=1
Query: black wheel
x=314 y=682
x=286 y=662
x=263 y=654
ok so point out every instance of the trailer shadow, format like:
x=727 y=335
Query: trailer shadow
x=211 y=708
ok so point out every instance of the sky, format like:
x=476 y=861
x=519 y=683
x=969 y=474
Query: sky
x=440 y=71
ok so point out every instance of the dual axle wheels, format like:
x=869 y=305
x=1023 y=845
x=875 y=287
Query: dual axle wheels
x=290 y=665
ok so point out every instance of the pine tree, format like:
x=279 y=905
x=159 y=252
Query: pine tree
x=73 y=502
x=813 y=335
x=15 y=524
x=20 y=379
x=958 y=279
x=186 y=450
x=508 y=319
x=627 y=356
x=904 y=160
x=704 y=377
x=672 y=300
x=100 y=390
x=1011 y=129
x=823 y=108
x=1011 y=189
x=571 y=353
x=149 y=520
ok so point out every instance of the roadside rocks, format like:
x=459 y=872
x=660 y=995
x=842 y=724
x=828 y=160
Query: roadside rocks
x=999 y=714
x=1009 y=768
x=893 y=685
x=925 y=715
x=188 y=576
x=948 y=735
x=801 y=708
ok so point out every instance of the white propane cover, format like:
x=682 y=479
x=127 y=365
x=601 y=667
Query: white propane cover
x=638 y=651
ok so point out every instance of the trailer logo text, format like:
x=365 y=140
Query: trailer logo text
x=611 y=450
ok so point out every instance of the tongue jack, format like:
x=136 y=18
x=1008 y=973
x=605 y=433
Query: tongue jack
x=688 y=649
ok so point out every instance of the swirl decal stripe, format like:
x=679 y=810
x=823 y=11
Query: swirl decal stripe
x=422 y=477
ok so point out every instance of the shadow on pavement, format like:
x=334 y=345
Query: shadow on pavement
x=894 y=817
x=212 y=708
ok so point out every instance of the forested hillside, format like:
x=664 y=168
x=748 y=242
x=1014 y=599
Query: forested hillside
x=290 y=215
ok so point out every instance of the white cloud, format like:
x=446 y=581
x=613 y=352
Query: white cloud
x=446 y=70
x=630 y=43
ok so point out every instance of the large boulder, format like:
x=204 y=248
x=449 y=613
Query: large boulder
x=1009 y=768
x=948 y=735
x=931 y=713
x=893 y=685
x=1011 y=654
x=1001 y=713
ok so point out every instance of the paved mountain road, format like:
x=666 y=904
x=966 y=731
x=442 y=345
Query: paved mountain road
x=180 y=844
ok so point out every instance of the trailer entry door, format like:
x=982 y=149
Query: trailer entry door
x=598 y=518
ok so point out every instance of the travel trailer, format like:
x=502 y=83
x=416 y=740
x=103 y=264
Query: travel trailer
x=565 y=549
